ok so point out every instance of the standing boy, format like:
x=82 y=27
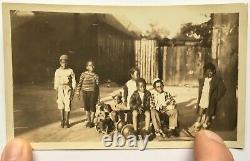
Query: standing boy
x=130 y=87
x=64 y=84
x=89 y=85
x=211 y=90
x=140 y=104
x=163 y=103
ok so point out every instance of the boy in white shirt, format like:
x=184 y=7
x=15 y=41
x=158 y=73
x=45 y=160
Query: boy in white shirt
x=163 y=103
x=64 y=84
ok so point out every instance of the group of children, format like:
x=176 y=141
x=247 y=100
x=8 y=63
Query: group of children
x=65 y=85
x=134 y=100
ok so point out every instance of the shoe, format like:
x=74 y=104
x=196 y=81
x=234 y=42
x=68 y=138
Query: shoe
x=162 y=133
x=91 y=125
x=62 y=123
x=157 y=133
x=67 y=124
x=170 y=133
x=87 y=125
x=205 y=125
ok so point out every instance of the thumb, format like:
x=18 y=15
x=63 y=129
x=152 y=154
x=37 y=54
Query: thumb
x=208 y=146
x=17 y=150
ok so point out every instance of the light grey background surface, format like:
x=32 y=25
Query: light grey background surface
x=124 y=155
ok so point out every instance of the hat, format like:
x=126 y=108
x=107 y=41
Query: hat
x=155 y=80
x=64 y=57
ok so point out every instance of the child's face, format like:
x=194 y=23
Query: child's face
x=159 y=87
x=141 y=87
x=135 y=75
x=209 y=73
x=63 y=64
x=90 y=66
x=117 y=100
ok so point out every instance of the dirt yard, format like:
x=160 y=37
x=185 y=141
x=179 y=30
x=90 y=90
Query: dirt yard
x=37 y=118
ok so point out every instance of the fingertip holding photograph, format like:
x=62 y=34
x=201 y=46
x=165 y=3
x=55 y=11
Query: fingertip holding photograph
x=121 y=77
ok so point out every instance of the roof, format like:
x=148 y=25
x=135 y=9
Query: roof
x=85 y=20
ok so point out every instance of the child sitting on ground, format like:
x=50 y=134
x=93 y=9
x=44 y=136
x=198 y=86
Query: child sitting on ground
x=163 y=103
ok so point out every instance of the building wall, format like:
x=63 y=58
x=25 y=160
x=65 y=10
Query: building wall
x=38 y=43
x=115 y=54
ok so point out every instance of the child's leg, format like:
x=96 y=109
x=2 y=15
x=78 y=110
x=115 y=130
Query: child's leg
x=114 y=116
x=67 y=119
x=135 y=117
x=67 y=104
x=92 y=116
x=147 y=120
x=88 y=116
x=172 y=116
x=92 y=105
x=62 y=118
x=206 y=122
x=155 y=119
x=200 y=115
x=60 y=103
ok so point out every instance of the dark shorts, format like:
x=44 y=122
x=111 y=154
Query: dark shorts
x=89 y=100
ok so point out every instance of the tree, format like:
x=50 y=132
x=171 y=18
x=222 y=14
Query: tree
x=156 y=32
x=202 y=32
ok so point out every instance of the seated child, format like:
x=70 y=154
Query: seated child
x=119 y=108
x=140 y=104
x=163 y=102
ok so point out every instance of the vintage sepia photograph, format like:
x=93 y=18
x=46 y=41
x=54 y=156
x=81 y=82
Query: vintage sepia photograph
x=97 y=77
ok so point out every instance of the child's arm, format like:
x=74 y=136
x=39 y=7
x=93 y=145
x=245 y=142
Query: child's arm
x=56 y=83
x=152 y=102
x=148 y=101
x=170 y=99
x=79 y=85
x=73 y=80
x=125 y=93
x=132 y=102
x=97 y=89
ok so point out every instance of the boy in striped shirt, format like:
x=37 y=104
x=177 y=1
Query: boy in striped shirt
x=89 y=85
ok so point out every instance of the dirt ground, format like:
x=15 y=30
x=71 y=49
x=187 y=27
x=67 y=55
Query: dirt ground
x=37 y=119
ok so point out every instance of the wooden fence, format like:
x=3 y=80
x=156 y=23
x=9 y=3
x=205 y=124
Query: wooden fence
x=146 y=58
x=183 y=65
x=176 y=65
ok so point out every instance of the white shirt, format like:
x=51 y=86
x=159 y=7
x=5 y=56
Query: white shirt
x=204 y=102
x=64 y=77
x=131 y=84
